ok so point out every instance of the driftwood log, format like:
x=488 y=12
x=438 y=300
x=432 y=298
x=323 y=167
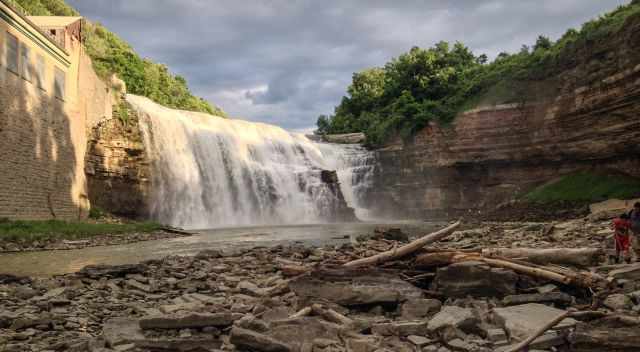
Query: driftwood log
x=563 y=276
x=582 y=257
x=404 y=250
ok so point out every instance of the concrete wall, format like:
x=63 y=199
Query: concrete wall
x=43 y=138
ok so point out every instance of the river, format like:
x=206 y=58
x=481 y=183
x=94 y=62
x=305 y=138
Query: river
x=47 y=263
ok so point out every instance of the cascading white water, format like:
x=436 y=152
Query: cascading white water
x=354 y=165
x=214 y=172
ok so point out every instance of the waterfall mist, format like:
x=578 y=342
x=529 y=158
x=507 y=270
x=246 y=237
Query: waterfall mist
x=210 y=172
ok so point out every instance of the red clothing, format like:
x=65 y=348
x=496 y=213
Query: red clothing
x=621 y=228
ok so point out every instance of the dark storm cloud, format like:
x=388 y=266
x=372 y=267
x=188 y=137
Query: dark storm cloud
x=286 y=62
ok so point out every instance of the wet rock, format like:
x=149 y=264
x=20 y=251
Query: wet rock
x=187 y=320
x=357 y=287
x=419 y=308
x=474 y=279
x=559 y=298
x=520 y=321
x=99 y=271
x=453 y=317
x=255 y=341
x=618 y=302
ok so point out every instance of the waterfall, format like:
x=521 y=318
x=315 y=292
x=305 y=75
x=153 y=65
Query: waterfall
x=355 y=166
x=210 y=172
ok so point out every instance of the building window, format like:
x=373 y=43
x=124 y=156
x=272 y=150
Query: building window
x=27 y=64
x=41 y=72
x=12 y=53
x=59 y=84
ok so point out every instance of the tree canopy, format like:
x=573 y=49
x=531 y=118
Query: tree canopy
x=436 y=84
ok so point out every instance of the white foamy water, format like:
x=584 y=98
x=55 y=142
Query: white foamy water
x=210 y=172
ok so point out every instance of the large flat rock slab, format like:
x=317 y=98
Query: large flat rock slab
x=522 y=320
x=474 y=279
x=354 y=287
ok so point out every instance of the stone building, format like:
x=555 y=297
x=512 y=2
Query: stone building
x=50 y=97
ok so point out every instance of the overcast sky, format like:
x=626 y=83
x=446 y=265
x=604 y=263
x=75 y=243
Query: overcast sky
x=286 y=62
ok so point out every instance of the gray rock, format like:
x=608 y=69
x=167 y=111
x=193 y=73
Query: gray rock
x=190 y=320
x=455 y=317
x=548 y=340
x=618 y=302
x=520 y=321
x=251 y=289
x=419 y=341
x=400 y=328
x=559 y=298
x=628 y=272
x=99 y=271
x=419 y=308
x=357 y=287
x=247 y=339
x=474 y=279
x=496 y=335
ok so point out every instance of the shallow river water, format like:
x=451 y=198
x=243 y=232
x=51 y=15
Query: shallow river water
x=46 y=263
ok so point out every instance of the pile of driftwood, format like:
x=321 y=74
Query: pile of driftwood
x=557 y=265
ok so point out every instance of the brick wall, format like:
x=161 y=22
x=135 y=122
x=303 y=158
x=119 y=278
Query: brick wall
x=43 y=139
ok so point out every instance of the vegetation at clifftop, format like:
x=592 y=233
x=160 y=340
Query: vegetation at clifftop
x=50 y=229
x=586 y=187
x=435 y=84
x=110 y=54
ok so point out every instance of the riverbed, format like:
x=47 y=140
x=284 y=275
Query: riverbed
x=48 y=263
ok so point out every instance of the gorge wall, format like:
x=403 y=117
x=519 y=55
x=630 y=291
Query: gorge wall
x=588 y=117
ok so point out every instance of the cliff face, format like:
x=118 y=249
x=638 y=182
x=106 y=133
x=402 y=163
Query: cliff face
x=118 y=168
x=588 y=117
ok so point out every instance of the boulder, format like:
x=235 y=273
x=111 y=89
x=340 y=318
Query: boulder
x=519 y=321
x=474 y=279
x=303 y=331
x=354 y=287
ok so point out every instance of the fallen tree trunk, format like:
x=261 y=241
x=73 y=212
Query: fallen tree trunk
x=570 y=256
x=566 y=276
x=404 y=250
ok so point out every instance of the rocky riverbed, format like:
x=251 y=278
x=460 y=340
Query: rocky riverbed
x=251 y=300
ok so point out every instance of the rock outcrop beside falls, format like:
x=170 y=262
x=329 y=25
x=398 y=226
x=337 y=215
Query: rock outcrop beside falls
x=584 y=118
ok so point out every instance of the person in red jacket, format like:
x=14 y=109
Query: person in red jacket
x=621 y=228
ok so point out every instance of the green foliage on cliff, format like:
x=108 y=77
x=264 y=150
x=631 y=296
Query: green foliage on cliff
x=110 y=54
x=436 y=84
x=586 y=187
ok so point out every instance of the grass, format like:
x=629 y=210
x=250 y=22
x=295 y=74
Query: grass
x=55 y=229
x=586 y=187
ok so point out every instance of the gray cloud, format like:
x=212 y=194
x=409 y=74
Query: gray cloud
x=286 y=62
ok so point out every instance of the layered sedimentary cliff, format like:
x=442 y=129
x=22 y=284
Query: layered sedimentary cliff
x=118 y=168
x=587 y=117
